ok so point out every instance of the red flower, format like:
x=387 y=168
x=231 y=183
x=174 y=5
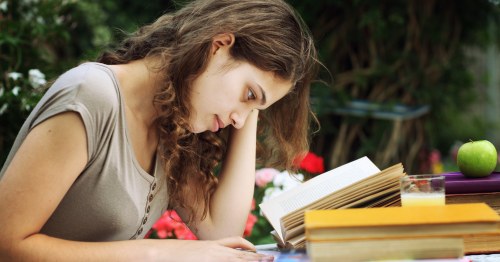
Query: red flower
x=183 y=232
x=249 y=226
x=170 y=225
x=312 y=164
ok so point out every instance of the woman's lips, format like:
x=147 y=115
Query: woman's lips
x=221 y=124
x=218 y=124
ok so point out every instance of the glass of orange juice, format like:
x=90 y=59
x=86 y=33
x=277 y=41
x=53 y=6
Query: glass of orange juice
x=422 y=190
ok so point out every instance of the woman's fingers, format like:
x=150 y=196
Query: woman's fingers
x=237 y=242
x=243 y=249
x=245 y=255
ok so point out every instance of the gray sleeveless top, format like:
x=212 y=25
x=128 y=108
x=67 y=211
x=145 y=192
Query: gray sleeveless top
x=113 y=198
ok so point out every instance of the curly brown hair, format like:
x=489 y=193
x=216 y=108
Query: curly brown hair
x=268 y=34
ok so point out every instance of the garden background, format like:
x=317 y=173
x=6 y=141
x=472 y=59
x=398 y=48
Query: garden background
x=403 y=80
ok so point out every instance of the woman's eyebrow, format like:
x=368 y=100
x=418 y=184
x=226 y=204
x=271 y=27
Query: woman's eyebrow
x=263 y=98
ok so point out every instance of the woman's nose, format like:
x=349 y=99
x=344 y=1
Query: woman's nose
x=238 y=119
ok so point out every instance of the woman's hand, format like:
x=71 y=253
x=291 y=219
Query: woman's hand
x=226 y=249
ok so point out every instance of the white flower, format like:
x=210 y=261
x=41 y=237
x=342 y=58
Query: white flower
x=4 y=6
x=28 y=16
x=59 y=20
x=66 y=2
x=25 y=104
x=29 y=2
x=40 y=20
x=15 y=90
x=278 y=180
x=36 y=78
x=15 y=75
x=271 y=192
x=3 y=108
x=287 y=181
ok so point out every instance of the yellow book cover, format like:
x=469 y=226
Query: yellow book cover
x=455 y=219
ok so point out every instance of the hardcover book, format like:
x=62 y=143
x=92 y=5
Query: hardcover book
x=386 y=249
x=456 y=183
x=418 y=232
x=390 y=222
x=477 y=243
x=492 y=199
x=488 y=243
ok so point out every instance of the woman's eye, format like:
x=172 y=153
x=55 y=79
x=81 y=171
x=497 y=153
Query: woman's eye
x=250 y=95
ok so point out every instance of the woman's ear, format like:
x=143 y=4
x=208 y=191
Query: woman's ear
x=222 y=41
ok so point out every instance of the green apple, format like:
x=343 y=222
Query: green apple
x=477 y=158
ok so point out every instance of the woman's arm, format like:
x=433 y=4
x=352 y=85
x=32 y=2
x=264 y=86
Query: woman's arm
x=231 y=201
x=50 y=159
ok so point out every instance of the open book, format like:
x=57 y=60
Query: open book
x=356 y=184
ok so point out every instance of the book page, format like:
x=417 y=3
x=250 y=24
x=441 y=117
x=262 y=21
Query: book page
x=386 y=179
x=316 y=188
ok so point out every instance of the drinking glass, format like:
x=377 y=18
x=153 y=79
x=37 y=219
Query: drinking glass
x=422 y=190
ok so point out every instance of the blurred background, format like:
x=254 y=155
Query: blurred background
x=403 y=80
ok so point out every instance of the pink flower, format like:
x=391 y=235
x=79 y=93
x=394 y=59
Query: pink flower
x=264 y=176
x=435 y=156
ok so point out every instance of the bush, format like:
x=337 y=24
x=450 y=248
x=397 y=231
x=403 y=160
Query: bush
x=36 y=44
x=396 y=52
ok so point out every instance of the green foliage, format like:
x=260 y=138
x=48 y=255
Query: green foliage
x=261 y=229
x=25 y=29
x=38 y=41
x=116 y=19
x=395 y=52
x=53 y=36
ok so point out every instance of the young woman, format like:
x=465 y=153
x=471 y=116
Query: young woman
x=113 y=143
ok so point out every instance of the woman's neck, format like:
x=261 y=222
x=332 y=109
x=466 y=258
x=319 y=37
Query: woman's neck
x=138 y=86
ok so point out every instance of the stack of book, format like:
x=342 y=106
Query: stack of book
x=356 y=184
x=419 y=232
x=460 y=189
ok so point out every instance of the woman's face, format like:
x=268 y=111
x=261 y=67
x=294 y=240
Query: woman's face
x=226 y=92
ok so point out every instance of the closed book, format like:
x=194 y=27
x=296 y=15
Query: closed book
x=492 y=199
x=386 y=249
x=487 y=243
x=390 y=222
x=457 y=183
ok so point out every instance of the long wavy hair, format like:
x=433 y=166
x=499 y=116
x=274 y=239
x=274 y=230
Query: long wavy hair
x=268 y=34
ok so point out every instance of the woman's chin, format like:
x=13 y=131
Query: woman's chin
x=197 y=129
